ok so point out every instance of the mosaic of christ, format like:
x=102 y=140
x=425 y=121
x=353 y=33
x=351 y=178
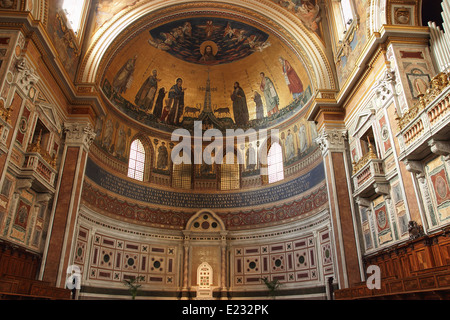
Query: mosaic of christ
x=228 y=73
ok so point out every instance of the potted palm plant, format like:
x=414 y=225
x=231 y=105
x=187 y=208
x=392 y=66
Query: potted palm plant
x=273 y=286
x=133 y=285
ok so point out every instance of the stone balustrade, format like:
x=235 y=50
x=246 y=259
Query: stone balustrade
x=426 y=120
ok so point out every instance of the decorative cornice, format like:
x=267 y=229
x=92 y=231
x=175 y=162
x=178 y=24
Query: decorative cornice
x=437 y=84
x=173 y=216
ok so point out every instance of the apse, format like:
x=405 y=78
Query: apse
x=211 y=56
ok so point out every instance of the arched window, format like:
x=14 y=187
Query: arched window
x=136 y=164
x=75 y=11
x=275 y=163
x=204 y=275
x=347 y=13
x=229 y=174
x=343 y=17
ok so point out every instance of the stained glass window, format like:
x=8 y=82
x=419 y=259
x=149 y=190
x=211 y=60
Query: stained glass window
x=74 y=13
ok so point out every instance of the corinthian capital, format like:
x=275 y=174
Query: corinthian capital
x=79 y=133
x=332 y=140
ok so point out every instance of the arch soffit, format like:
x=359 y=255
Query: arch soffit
x=308 y=48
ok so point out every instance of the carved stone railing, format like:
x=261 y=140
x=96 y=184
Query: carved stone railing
x=368 y=175
x=108 y=160
x=253 y=181
x=205 y=184
x=368 y=178
x=36 y=148
x=364 y=159
x=39 y=168
x=40 y=162
x=161 y=179
x=428 y=119
x=304 y=163
x=439 y=110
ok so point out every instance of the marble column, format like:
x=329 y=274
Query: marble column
x=60 y=242
x=223 y=251
x=186 y=245
x=332 y=143
x=418 y=171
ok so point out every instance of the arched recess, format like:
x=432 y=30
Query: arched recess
x=149 y=153
x=285 y=25
x=204 y=281
x=205 y=241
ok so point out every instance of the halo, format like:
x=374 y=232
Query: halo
x=209 y=43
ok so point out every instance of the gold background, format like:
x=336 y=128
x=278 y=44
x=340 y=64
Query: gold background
x=246 y=72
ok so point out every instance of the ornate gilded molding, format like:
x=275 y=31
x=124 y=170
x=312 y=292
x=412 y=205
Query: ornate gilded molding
x=69 y=38
x=36 y=148
x=437 y=84
x=366 y=158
